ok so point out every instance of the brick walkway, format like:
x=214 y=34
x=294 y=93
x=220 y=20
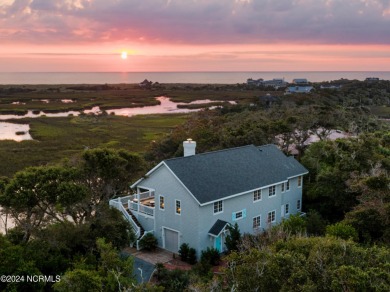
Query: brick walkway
x=152 y=257
x=169 y=260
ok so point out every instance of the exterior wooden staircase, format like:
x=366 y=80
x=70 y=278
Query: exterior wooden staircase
x=137 y=223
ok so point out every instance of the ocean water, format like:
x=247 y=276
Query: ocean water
x=177 y=77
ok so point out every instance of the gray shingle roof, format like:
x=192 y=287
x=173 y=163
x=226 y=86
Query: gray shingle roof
x=217 y=228
x=215 y=175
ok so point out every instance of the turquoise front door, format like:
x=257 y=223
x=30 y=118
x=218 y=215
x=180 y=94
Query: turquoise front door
x=217 y=243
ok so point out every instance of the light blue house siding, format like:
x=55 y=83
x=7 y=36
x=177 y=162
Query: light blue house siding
x=245 y=203
x=195 y=221
x=186 y=224
x=191 y=186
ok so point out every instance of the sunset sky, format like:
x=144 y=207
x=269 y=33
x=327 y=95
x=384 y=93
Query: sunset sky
x=194 y=35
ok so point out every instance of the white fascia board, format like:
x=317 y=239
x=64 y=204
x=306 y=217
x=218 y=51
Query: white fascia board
x=147 y=174
x=183 y=185
x=298 y=175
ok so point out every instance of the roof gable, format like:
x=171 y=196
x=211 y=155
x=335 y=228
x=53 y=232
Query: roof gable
x=216 y=175
x=218 y=227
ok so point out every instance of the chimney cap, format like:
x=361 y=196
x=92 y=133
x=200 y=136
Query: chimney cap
x=189 y=140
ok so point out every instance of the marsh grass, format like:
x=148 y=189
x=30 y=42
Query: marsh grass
x=30 y=97
x=59 y=138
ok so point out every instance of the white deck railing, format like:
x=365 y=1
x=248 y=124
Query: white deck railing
x=117 y=203
x=146 y=195
x=146 y=210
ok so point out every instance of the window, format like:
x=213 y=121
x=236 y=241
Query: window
x=271 y=217
x=257 y=195
x=178 y=207
x=299 y=205
x=299 y=181
x=272 y=191
x=162 y=204
x=282 y=185
x=288 y=185
x=218 y=207
x=256 y=222
x=238 y=215
x=286 y=209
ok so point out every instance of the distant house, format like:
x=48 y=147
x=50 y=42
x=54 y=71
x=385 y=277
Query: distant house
x=300 y=81
x=145 y=84
x=192 y=199
x=256 y=82
x=275 y=83
x=268 y=99
x=299 y=89
x=372 y=79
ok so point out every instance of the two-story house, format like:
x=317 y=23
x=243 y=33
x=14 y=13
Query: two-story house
x=192 y=199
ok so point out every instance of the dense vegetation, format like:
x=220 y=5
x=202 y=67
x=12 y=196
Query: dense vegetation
x=64 y=227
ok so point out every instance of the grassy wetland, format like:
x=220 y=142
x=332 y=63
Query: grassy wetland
x=63 y=137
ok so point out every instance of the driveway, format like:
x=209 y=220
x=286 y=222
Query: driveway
x=145 y=261
x=142 y=270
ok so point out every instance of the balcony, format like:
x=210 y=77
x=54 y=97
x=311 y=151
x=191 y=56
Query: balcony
x=142 y=203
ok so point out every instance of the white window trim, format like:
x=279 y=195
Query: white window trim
x=159 y=203
x=287 y=209
x=269 y=193
x=176 y=207
x=219 y=212
x=274 y=211
x=258 y=227
x=235 y=215
x=243 y=215
x=261 y=195
x=288 y=183
x=299 y=178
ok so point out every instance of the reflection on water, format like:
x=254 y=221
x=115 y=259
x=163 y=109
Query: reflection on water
x=165 y=106
x=16 y=132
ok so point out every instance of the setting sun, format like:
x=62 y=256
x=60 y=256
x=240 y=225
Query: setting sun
x=124 y=55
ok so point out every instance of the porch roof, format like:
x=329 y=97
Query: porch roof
x=218 y=227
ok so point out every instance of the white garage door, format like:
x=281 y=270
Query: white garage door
x=171 y=240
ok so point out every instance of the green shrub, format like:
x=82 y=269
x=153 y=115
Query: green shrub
x=203 y=270
x=315 y=224
x=176 y=280
x=148 y=242
x=294 y=224
x=183 y=252
x=233 y=238
x=192 y=256
x=211 y=256
x=342 y=230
